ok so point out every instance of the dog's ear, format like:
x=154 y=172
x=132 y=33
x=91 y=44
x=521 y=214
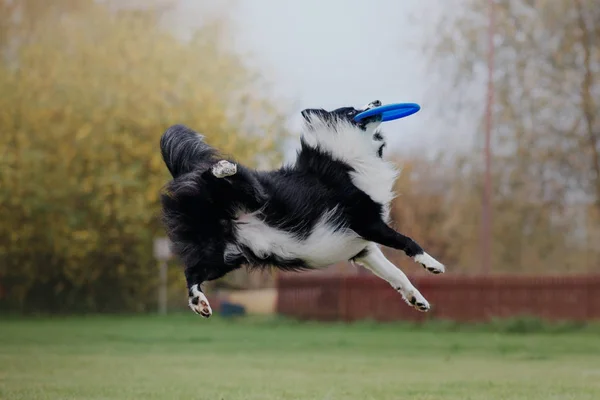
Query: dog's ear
x=311 y=113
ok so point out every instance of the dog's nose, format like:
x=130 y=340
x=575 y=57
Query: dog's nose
x=373 y=104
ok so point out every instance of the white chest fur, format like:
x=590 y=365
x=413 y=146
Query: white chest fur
x=324 y=246
x=371 y=174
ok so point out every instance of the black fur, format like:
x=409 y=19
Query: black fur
x=199 y=209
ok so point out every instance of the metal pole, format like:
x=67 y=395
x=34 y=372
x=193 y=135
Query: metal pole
x=162 y=289
x=486 y=220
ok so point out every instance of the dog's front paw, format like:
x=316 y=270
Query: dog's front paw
x=198 y=302
x=224 y=169
x=414 y=299
x=429 y=263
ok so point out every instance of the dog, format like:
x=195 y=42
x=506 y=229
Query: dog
x=331 y=205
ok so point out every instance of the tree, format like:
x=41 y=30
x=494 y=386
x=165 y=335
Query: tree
x=85 y=100
x=547 y=130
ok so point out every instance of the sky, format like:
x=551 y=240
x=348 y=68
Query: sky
x=334 y=53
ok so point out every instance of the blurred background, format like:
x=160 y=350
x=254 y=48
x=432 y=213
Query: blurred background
x=501 y=167
x=89 y=86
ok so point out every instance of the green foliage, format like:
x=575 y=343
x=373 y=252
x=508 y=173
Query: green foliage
x=86 y=95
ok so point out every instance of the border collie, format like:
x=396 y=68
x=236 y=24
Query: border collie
x=331 y=205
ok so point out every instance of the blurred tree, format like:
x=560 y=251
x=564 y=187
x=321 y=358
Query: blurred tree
x=546 y=125
x=84 y=101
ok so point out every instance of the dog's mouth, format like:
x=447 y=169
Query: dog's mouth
x=369 y=120
x=372 y=119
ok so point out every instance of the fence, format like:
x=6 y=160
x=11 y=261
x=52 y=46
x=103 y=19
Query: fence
x=458 y=298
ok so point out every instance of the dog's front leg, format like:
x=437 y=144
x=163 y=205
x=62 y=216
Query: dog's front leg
x=381 y=233
x=376 y=261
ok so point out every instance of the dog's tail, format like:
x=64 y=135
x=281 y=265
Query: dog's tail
x=183 y=150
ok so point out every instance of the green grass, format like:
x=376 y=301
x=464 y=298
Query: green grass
x=185 y=357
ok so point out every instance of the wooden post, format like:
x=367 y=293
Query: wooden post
x=162 y=289
x=162 y=253
x=486 y=217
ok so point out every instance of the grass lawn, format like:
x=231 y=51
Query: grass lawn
x=186 y=357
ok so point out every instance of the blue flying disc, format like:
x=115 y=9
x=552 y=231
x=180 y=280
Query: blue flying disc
x=390 y=112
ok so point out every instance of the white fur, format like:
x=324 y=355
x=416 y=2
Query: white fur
x=376 y=261
x=347 y=143
x=430 y=263
x=203 y=306
x=223 y=169
x=324 y=246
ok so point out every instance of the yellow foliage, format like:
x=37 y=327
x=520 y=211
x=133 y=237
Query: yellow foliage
x=84 y=102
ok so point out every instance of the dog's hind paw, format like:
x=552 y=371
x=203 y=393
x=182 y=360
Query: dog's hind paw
x=198 y=302
x=224 y=169
x=429 y=263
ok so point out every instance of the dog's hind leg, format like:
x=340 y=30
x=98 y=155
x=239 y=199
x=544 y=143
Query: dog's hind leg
x=386 y=236
x=223 y=169
x=376 y=261
x=232 y=183
x=197 y=300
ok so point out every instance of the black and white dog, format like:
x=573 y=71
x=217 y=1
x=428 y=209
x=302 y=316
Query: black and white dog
x=331 y=206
